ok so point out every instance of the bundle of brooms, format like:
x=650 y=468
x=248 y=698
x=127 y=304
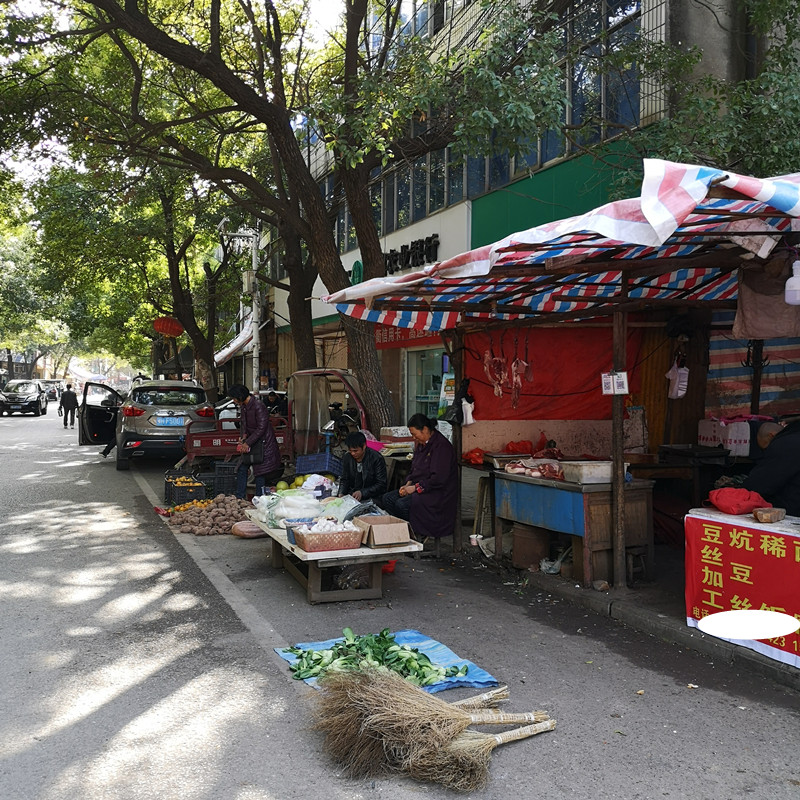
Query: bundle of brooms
x=375 y=722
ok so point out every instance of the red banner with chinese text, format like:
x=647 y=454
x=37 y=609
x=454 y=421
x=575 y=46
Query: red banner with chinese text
x=387 y=337
x=735 y=563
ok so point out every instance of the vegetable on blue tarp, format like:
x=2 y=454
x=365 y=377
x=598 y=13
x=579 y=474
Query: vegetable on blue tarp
x=422 y=660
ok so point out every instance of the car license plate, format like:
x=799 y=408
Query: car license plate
x=17 y=408
x=170 y=422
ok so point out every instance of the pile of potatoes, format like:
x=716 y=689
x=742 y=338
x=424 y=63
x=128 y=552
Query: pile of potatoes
x=217 y=517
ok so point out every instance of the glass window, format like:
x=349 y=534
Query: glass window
x=341 y=232
x=455 y=178
x=168 y=396
x=622 y=87
x=499 y=170
x=376 y=201
x=528 y=158
x=389 y=204
x=436 y=181
x=420 y=193
x=402 y=180
x=352 y=241
x=476 y=176
x=586 y=97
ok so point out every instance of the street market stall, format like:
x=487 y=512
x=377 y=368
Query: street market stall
x=684 y=242
x=307 y=567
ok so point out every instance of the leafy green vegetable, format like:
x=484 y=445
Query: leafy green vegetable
x=371 y=650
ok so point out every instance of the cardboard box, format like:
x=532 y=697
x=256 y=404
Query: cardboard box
x=382 y=531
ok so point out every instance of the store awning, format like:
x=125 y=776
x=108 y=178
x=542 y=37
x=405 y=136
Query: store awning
x=241 y=343
x=681 y=243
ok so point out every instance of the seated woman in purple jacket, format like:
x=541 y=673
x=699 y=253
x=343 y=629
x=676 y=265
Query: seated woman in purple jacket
x=255 y=425
x=428 y=500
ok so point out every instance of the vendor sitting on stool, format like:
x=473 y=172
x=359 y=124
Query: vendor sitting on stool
x=776 y=475
x=363 y=470
x=429 y=498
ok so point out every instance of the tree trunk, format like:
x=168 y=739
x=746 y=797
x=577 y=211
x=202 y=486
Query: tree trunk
x=204 y=366
x=301 y=285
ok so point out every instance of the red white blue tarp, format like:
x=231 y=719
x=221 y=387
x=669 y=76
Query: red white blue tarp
x=672 y=243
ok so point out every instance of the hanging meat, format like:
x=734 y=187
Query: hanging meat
x=519 y=370
x=496 y=371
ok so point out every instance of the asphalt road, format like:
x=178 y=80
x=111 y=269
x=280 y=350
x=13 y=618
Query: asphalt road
x=136 y=663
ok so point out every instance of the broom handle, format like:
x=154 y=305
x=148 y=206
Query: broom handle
x=492 y=717
x=485 y=699
x=523 y=733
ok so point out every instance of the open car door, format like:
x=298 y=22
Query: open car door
x=98 y=413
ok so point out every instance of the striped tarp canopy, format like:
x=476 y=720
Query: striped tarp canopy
x=680 y=243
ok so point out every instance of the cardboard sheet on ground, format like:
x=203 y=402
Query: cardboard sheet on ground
x=440 y=655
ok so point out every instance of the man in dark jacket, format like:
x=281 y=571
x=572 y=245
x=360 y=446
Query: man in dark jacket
x=363 y=470
x=69 y=405
x=776 y=475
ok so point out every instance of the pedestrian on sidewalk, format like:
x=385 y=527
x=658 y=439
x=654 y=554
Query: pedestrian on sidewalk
x=68 y=405
x=255 y=428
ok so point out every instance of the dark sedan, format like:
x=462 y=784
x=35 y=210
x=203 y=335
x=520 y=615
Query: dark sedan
x=23 y=396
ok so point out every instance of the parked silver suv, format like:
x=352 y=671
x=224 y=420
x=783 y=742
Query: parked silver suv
x=150 y=421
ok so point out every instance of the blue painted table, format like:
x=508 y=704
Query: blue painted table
x=581 y=510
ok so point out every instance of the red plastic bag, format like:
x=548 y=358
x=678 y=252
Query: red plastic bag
x=473 y=456
x=523 y=447
x=737 y=501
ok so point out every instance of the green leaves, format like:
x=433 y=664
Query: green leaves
x=371 y=650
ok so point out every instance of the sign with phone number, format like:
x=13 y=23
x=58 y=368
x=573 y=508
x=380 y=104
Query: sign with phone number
x=731 y=564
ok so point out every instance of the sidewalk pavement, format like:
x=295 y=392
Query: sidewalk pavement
x=656 y=607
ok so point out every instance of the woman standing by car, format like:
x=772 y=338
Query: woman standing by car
x=255 y=427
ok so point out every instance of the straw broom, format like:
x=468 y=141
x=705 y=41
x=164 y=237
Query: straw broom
x=374 y=718
x=490 y=698
x=463 y=764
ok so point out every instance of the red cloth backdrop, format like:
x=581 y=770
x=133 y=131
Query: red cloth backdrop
x=567 y=363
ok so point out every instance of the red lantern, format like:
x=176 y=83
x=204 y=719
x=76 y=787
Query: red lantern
x=168 y=326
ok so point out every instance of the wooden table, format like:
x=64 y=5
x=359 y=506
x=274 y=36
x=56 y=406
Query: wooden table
x=582 y=510
x=307 y=568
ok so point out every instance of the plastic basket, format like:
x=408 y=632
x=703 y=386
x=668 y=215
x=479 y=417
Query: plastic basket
x=185 y=493
x=291 y=524
x=222 y=468
x=331 y=540
x=318 y=463
x=225 y=484
x=169 y=481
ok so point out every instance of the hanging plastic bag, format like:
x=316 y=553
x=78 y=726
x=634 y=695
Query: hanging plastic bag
x=466 y=410
x=678 y=378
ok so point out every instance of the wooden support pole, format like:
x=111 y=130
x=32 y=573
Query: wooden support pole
x=757 y=358
x=617 y=455
x=457 y=362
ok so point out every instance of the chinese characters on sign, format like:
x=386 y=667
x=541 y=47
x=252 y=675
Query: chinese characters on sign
x=417 y=254
x=387 y=336
x=733 y=565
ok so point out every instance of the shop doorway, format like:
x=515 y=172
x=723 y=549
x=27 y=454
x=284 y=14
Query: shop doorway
x=424 y=371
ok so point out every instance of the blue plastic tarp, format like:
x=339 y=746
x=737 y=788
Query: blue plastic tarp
x=440 y=655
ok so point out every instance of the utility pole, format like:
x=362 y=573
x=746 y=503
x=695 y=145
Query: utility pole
x=255 y=320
